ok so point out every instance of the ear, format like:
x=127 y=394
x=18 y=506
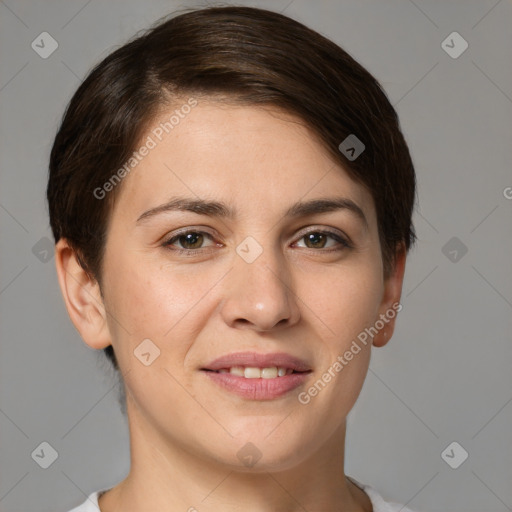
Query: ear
x=82 y=297
x=390 y=305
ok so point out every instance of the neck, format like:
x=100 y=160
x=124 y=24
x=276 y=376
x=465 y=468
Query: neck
x=167 y=477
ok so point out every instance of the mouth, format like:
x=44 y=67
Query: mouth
x=252 y=361
x=254 y=372
x=258 y=376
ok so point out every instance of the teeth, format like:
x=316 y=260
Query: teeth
x=237 y=370
x=268 y=373
x=251 y=372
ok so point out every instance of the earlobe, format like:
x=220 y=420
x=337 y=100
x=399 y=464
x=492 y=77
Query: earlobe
x=82 y=298
x=390 y=305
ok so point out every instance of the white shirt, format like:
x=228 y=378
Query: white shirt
x=378 y=503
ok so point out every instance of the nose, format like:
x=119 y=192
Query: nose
x=260 y=295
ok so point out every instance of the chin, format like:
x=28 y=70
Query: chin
x=253 y=450
x=253 y=460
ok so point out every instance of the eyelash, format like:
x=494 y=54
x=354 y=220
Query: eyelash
x=192 y=252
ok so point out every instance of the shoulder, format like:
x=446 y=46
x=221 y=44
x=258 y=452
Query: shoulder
x=90 y=504
x=378 y=502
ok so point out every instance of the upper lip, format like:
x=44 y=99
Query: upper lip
x=253 y=359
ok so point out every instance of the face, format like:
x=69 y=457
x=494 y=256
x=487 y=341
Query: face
x=258 y=273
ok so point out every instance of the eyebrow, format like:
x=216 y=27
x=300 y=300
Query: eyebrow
x=221 y=210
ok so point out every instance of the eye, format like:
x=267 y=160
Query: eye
x=318 y=239
x=190 y=240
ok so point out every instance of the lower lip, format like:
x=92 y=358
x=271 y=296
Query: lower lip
x=258 y=389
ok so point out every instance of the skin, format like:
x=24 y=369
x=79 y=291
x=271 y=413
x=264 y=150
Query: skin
x=185 y=431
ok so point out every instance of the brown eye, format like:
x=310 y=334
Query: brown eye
x=319 y=240
x=187 y=241
x=191 y=240
x=316 y=240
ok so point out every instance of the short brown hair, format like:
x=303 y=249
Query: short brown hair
x=249 y=56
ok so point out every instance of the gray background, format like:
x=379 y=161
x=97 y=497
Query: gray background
x=444 y=377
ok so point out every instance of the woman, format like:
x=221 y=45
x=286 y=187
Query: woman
x=231 y=199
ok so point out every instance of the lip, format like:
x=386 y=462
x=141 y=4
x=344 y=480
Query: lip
x=259 y=361
x=258 y=389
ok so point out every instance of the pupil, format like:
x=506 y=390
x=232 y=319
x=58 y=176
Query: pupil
x=314 y=238
x=192 y=239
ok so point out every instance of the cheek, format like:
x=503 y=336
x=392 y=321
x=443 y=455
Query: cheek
x=159 y=302
x=345 y=301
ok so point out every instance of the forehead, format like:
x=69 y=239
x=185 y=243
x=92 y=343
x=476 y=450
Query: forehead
x=257 y=158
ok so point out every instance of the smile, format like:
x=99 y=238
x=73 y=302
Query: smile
x=252 y=372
